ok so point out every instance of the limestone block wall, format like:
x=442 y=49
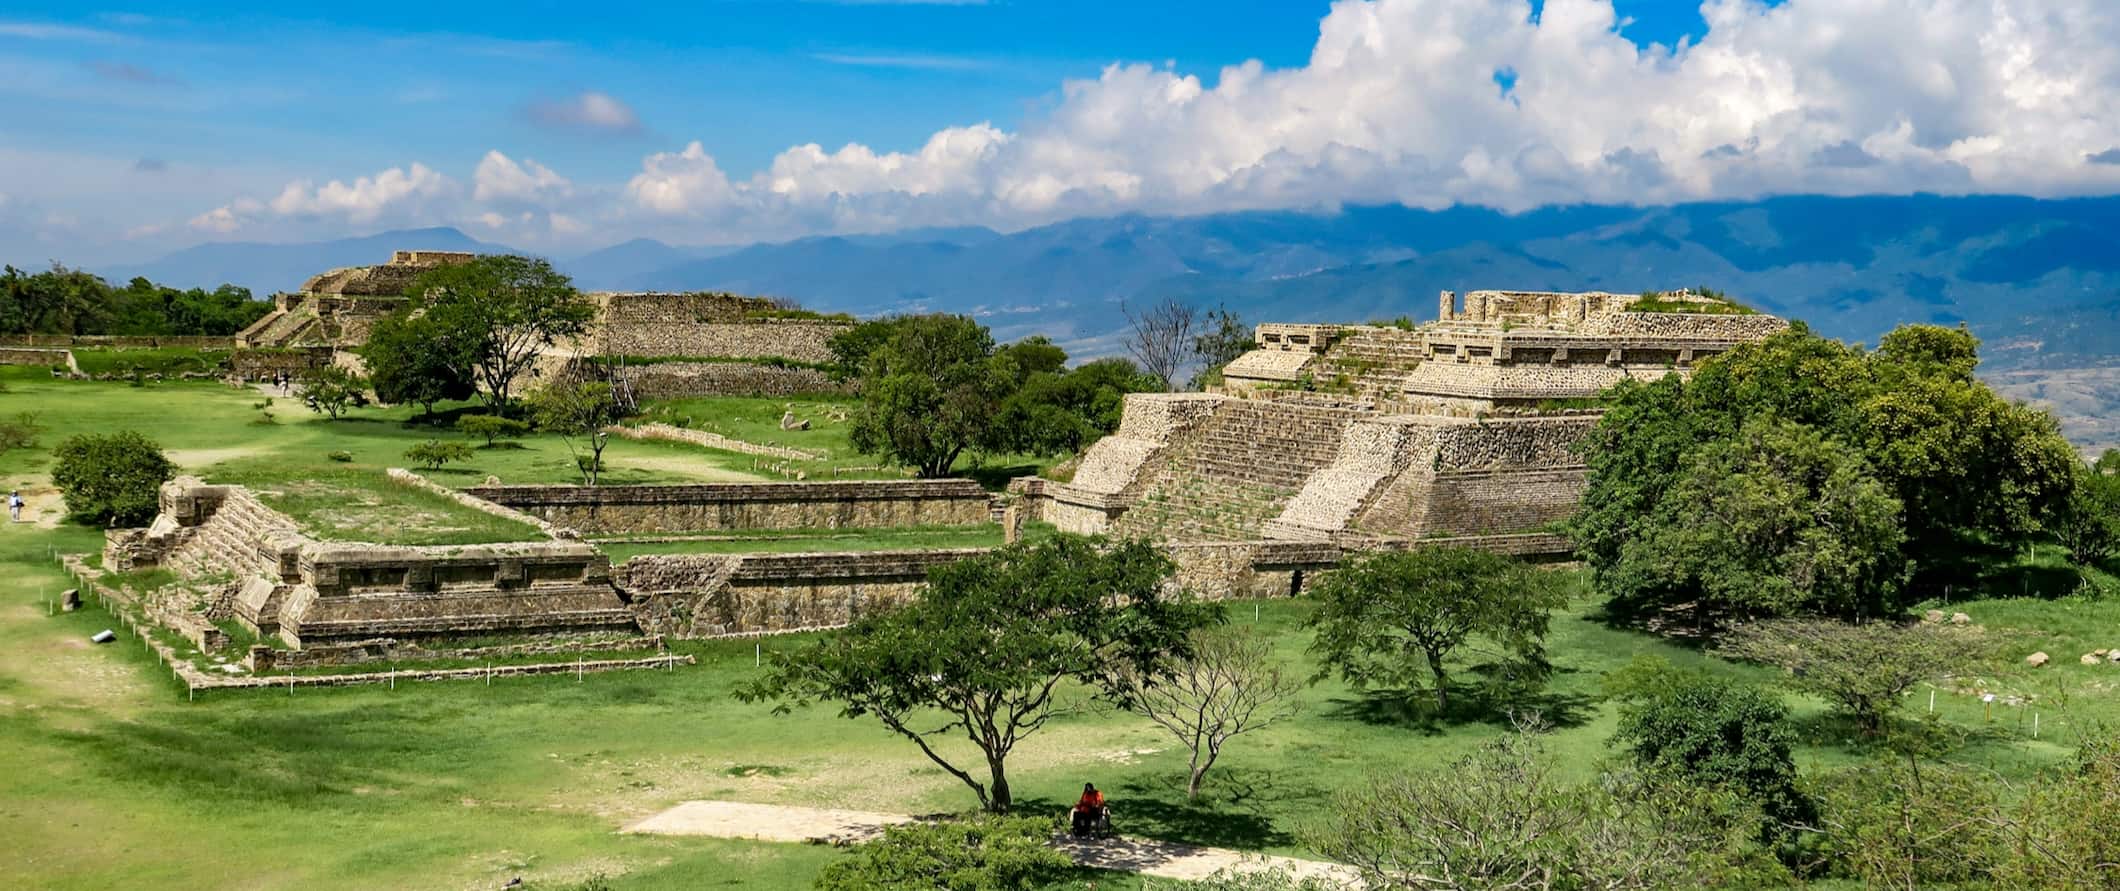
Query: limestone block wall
x=1372 y=452
x=1237 y=471
x=853 y=504
x=707 y=324
x=34 y=356
x=1225 y=570
x=677 y=380
x=1151 y=422
x=720 y=595
x=1675 y=325
x=1508 y=477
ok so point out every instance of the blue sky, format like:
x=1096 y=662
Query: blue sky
x=135 y=130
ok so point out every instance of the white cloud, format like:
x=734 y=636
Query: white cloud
x=1399 y=101
x=46 y=31
x=392 y=192
x=591 y=110
x=226 y=218
x=501 y=179
x=675 y=183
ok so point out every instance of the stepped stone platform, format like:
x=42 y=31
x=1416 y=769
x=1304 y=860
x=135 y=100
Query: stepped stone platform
x=1463 y=430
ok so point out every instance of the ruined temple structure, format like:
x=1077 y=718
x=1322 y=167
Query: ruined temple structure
x=754 y=345
x=1463 y=430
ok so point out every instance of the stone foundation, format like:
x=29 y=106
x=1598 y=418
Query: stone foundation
x=857 y=504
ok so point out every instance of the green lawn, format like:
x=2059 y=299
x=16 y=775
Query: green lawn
x=108 y=776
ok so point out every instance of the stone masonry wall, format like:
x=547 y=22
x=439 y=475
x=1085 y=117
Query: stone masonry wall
x=609 y=510
x=705 y=324
x=719 y=595
x=677 y=380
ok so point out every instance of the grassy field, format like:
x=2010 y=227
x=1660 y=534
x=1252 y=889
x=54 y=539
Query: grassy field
x=108 y=776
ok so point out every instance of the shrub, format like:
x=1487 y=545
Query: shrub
x=435 y=453
x=990 y=854
x=19 y=432
x=342 y=456
x=491 y=428
x=331 y=391
x=1703 y=729
x=1863 y=670
x=111 y=479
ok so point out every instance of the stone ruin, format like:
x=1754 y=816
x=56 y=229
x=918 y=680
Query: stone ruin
x=1463 y=430
x=758 y=346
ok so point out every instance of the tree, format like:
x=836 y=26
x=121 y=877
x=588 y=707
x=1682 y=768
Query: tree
x=988 y=854
x=2088 y=523
x=1969 y=470
x=1229 y=685
x=930 y=390
x=1711 y=732
x=579 y=411
x=1222 y=338
x=492 y=428
x=1901 y=824
x=1054 y=413
x=1776 y=520
x=1864 y=670
x=434 y=453
x=331 y=390
x=1160 y=337
x=984 y=648
x=1390 y=619
x=506 y=309
x=1500 y=819
x=413 y=360
x=111 y=479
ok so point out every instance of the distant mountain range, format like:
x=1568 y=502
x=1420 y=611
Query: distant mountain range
x=1852 y=267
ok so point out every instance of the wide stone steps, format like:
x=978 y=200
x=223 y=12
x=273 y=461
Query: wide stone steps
x=1245 y=464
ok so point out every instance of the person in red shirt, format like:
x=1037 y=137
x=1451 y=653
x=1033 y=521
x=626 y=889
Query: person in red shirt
x=1089 y=810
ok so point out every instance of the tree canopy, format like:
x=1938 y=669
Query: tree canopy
x=72 y=301
x=935 y=387
x=984 y=649
x=414 y=360
x=502 y=311
x=1800 y=474
x=1394 y=619
x=111 y=479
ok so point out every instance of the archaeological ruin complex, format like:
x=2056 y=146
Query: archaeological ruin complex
x=734 y=344
x=1462 y=430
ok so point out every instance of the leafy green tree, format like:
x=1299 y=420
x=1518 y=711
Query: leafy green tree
x=331 y=390
x=492 y=428
x=1968 y=469
x=434 y=453
x=413 y=360
x=20 y=431
x=2088 y=523
x=929 y=391
x=2108 y=462
x=981 y=653
x=579 y=411
x=1863 y=670
x=72 y=301
x=1776 y=520
x=1033 y=355
x=506 y=309
x=1710 y=732
x=1394 y=619
x=986 y=854
x=1062 y=413
x=1905 y=824
x=111 y=479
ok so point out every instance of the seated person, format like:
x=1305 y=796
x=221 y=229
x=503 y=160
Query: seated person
x=1089 y=810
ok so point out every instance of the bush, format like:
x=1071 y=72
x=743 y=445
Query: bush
x=19 y=432
x=491 y=428
x=111 y=479
x=435 y=453
x=1862 y=670
x=342 y=456
x=1709 y=731
x=990 y=854
x=332 y=391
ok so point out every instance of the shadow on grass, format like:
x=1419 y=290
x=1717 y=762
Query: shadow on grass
x=1498 y=707
x=996 y=477
x=1225 y=816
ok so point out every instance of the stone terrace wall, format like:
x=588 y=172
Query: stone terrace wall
x=1691 y=326
x=677 y=380
x=720 y=595
x=1510 y=478
x=706 y=324
x=29 y=356
x=854 y=504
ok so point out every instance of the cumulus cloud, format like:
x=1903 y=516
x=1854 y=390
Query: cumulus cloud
x=590 y=111
x=367 y=198
x=501 y=179
x=1431 y=103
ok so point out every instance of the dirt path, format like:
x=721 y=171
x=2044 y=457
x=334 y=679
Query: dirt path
x=784 y=823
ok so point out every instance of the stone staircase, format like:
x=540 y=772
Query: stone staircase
x=1238 y=472
x=1371 y=453
x=239 y=537
x=280 y=328
x=1376 y=361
